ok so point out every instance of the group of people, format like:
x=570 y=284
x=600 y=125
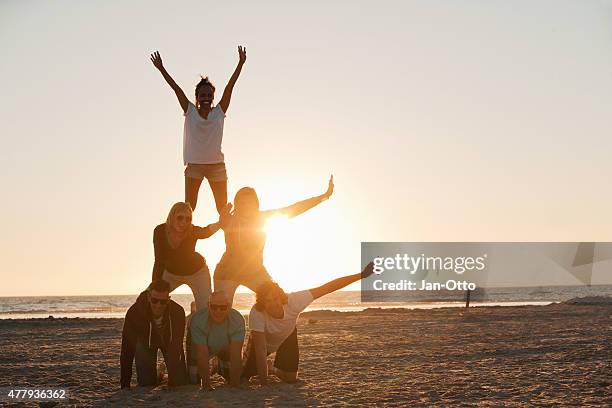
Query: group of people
x=216 y=332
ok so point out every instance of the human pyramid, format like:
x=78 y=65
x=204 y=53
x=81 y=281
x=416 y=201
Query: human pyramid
x=215 y=331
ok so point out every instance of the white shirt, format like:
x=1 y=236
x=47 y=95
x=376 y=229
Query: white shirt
x=202 y=137
x=159 y=321
x=277 y=330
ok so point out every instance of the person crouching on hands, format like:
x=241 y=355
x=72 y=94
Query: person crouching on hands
x=272 y=326
x=153 y=322
x=218 y=330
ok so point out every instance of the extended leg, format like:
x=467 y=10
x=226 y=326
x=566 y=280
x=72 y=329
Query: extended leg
x=219 y=189
x=192 y=187
x=173 y=280
x=228 y=287
x=199 y=283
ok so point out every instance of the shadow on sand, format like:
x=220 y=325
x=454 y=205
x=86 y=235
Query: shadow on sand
x=248 y=394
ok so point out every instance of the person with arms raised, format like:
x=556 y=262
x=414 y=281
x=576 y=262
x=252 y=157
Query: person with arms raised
x=203 y=133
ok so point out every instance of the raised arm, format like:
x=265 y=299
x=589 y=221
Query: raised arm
x=229 y=88
x=209 y=230
x=157 y=61
x=340 y=283
x=304 y=205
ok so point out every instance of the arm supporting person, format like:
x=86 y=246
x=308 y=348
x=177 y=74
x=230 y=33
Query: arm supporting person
x=340 y=283
x=128 y=340
x=261 y=356
x=207 y=231
x=203 y=367
x=235 y=363
x=229 y=88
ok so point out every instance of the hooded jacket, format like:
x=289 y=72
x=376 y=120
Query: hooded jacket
x=139 y=327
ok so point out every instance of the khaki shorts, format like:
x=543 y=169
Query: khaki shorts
x=212 y=172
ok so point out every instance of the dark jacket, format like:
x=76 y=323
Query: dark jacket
x=139 y=327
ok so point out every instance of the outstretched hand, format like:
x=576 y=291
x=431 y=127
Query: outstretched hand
x=156 y=60
x=330 y=188
x=241 y=54
x=225 y=215
x=368 y=270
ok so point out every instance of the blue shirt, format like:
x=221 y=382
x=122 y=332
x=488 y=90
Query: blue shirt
x=217 y=336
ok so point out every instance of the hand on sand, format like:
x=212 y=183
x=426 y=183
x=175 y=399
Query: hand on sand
x=156 y=60
x=225 y=215
x=330 y=188
x=267 y=381
x=206 y=388
x=241 y=54
x=368 y=270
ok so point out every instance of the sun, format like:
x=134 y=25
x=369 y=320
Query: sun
x=276 y=224
x=283 y=249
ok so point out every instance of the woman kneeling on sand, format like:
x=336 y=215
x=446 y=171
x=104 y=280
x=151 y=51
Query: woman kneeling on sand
x=272 y=326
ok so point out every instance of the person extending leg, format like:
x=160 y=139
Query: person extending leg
x=192 y=187
x=219 y=189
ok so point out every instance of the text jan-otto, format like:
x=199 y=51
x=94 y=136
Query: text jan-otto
x=423 y=285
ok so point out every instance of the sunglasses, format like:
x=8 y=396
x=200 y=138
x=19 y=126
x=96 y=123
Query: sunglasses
x=160 y=301
x=183 y=218
x=220 y=308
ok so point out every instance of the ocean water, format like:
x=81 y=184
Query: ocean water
x=117 y=305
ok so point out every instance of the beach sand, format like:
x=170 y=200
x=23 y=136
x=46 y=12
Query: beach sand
x=559 y=354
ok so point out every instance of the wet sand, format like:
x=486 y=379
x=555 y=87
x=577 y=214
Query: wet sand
x=558 y=355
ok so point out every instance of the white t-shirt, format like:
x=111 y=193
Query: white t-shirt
x=277 y=330
x=159 y=321
x=202 y=137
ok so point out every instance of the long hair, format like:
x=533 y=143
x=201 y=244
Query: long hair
x=177 y=208
x=264 y=290
x=243 y=195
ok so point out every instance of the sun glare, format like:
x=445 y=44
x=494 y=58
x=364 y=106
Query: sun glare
x=276 y=224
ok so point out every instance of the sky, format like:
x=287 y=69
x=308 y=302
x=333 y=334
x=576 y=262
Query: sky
x=440 y=121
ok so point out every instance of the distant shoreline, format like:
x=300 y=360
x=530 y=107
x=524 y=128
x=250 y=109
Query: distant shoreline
x=489 y=288
x=598 y=301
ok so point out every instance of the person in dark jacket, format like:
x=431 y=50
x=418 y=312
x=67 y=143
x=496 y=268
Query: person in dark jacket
x=153 y=322
x=192 y=361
